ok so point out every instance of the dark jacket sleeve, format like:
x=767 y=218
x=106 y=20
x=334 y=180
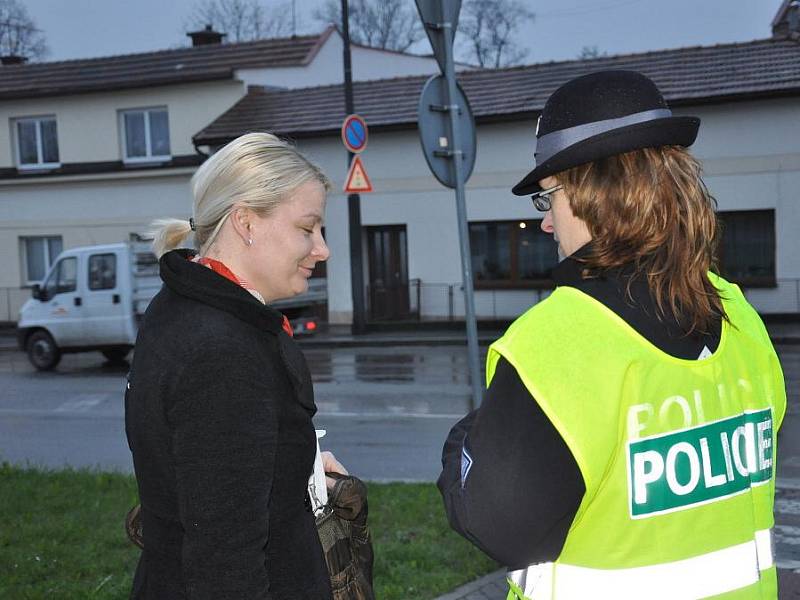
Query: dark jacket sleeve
x=509 y=481
x=224 y=434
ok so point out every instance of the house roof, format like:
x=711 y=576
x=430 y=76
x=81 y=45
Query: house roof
x=781 y=14
x=164 y=67
x=693 y=75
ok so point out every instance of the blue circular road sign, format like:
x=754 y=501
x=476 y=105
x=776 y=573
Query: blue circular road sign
x=354 y=133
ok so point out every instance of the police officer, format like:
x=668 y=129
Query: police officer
x=625 y=447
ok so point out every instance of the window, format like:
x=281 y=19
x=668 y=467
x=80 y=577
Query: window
x=747 y=247
x=511 y=254
x=63 y=279
x=145 y=134
x=102 y=271
x=38 y=254
x=37 y=143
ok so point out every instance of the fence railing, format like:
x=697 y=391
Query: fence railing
x=11 y=300
x=445 y=301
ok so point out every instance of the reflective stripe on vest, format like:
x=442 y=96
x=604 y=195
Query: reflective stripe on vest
x=697 y=577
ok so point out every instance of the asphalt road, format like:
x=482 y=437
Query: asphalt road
x=387 y=411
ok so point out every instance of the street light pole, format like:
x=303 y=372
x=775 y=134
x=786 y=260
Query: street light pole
x=353 y=200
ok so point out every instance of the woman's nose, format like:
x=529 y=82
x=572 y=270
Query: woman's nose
x=321 y=251
x=547 y=222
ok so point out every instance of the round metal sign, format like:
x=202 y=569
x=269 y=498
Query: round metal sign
x=435 y=135
x=354 y=133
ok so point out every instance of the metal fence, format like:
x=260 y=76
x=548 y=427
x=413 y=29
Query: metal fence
x=430 y=301
x=11 y=300
x=445 y=301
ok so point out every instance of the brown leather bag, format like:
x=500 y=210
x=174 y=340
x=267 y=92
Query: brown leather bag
x=133 y=525
x=343 y=533
x=346 y=540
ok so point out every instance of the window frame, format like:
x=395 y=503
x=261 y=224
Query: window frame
x=765 y=281
x=149 y=156
x=48 y=239
x=53 y=282
x=39 y=165
x=513 y=283
x=90 y=285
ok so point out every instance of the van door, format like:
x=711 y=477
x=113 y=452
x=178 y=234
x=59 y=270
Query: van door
x=64 y=313
x=104 y=308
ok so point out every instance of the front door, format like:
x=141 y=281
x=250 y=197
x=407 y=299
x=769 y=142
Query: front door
x=62 y=303
x=388 y=273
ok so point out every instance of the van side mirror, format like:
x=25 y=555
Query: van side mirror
x=38 y=293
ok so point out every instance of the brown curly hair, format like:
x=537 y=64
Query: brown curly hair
x=650 y=209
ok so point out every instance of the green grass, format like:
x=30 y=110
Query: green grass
x=62 y=536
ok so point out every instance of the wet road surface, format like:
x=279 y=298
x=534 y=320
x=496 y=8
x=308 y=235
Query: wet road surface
x=387 y=411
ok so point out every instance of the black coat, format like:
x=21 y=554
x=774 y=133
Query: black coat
x=218 y=416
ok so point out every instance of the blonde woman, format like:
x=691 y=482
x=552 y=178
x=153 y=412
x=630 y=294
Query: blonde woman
x=219 y=402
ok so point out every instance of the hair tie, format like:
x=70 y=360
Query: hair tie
x=191 y=224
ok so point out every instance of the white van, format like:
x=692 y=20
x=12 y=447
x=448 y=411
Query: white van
x=94 y=297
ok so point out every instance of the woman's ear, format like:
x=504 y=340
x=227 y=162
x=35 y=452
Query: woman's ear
x=242 y=219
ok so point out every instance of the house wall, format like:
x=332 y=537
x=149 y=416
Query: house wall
x=751 y=160
x=749 y=152
x=326 y=67
x=88 y=124
x=83 y=211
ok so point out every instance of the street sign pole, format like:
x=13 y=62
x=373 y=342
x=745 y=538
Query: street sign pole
x=353 y=200
x=449 y=146
x=457 y=160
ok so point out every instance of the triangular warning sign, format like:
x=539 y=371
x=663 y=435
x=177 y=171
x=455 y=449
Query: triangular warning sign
x=357 y=180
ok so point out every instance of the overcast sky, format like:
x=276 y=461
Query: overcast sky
x=90 y=28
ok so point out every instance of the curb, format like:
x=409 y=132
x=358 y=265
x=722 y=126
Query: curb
x=319 y=343
x=388 y=341
x=474 y=587
x=482 y=340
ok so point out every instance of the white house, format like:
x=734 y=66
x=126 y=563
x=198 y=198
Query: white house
x=96 y=149
x=91 y=150
x=745 y=93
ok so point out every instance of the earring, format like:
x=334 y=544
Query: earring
x=249 y=241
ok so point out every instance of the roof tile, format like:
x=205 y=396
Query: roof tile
x=684 y=75
x=181 y=65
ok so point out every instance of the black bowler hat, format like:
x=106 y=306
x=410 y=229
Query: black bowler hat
x=600 y=115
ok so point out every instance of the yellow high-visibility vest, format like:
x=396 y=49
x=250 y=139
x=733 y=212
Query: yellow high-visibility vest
x=678 y=456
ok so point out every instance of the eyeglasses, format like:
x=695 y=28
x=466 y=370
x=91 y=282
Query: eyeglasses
x=541 y=200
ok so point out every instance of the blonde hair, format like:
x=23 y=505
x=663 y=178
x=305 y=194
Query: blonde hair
x=650 y=209
x=255 y=171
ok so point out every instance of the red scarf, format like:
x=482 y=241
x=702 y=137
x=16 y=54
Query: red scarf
x=220 y=269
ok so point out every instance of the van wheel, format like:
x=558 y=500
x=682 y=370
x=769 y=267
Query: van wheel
x=42 y=351
x=116 y=354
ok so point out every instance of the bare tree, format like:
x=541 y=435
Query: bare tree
x=388 y=24
x=591 y=52
x=243 y=20
x=18 y=33
x=488 y=28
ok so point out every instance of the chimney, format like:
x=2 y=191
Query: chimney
x=13 y=59
x=786 y=23
x=206 y=37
